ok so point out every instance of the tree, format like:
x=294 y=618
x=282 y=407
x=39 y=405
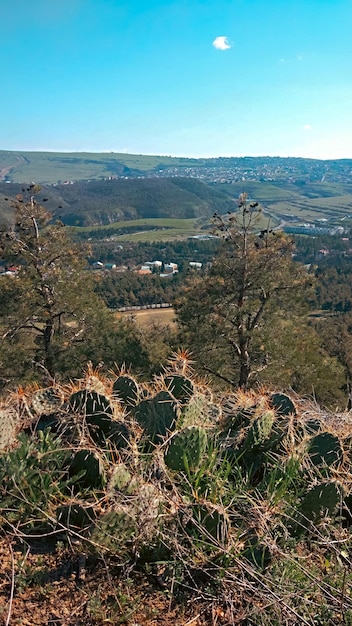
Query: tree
x=253 y=284
x=50 y=312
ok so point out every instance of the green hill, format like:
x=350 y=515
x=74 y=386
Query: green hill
x=54 y=167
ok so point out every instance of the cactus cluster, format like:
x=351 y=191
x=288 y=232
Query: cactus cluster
x=150 y=465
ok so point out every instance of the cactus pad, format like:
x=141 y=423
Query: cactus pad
x=7 y=427
x=325 y=450
x=260 y=429
x=89 y=468
x=186 y=449
x=321 y=500
x=282 y=404
x=180 y=386
x=126 y=390
x=157 y=416
x=45 y=401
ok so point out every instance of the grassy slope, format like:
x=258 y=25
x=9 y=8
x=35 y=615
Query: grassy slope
x=307 y=202
x=50 y=167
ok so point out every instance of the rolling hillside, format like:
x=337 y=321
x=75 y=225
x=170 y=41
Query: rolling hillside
x=58 y=167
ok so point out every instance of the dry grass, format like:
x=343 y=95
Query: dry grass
x=150 y=317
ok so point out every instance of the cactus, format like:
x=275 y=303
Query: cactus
x=180 y=387
x=157 y=416
x=122 y=480
x=114 y=531
x=325 y=450
x=98 y=413
x=90 y=403
x=89 y=470
x=7 y=427
x=186 y=449
x=312 y=426
x=260 y=429
x=45 y=401
x=199 y=412
x=76 y=515
x=321 y=500
x=282 y=404
x=126 y=390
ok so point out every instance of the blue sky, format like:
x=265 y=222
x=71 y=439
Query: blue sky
x=186 y=78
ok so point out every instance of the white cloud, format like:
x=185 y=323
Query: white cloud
x=221 y=43
x=307 y=127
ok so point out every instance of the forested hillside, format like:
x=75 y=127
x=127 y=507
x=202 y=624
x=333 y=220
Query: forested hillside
x=103 y=202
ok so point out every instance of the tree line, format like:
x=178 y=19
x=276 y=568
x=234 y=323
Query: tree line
x=246 y=318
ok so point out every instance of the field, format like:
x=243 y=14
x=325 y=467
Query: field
x=150 y=317
x=51 y=167
x=153 y=229
x=306 y=202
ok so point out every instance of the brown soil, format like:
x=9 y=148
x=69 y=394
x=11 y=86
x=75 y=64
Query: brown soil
x=47 y=586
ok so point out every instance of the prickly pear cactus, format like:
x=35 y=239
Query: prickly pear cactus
x=7 y=427
x=126 y=390
x=186 y=449
x=157 y=416
x=122 y=480
x=114 y=531
x=76 y=515
x=97 y=411
x=256 y=552
x=282 y=404
x=325 y=449
x=45 y=401
x=180 y=387
x=90 y=403
x=321 y=500
x=89 y=469
x=260 y=429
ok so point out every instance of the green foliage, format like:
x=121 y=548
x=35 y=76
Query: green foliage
x=226 y=315
x=216 y=499
x=54 y=306
x=33 y=477
x=210 y=525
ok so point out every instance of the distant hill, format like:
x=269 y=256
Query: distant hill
x=88 y=189
x=60 y=167
x=104 y=202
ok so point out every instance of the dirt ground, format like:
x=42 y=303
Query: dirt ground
x=46 y=586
